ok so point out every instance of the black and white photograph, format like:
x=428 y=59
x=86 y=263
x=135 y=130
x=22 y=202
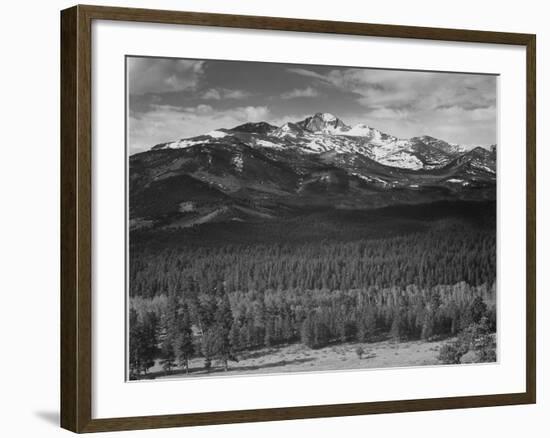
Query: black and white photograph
x=275 y=219
x=288 y=218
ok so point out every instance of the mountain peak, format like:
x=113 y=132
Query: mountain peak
x=479 y=151
x=428 y=140
x=324 y=123
x=289 y=129
x=254 y=127
x=327 y=117
x=426 y=137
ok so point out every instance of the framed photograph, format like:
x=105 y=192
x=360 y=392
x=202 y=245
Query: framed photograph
x=268 y=218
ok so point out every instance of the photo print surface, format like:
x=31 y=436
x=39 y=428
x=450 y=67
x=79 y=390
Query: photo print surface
x=288 y=218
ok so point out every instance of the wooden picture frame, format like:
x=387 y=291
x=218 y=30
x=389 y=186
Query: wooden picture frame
x=76 y=218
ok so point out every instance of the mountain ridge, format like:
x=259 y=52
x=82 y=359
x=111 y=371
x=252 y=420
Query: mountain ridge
x=324 y=132
x=257 y=172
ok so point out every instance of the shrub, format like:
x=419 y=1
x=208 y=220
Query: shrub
x=428 y=326
x=451 y=352
x=486 y=348
x=348 y=331
x=477 y=310
x=366 y=327
x=168 y=356
x=492 y=317
x=314 y=333
x=476 y=339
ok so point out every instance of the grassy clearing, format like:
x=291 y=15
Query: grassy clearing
x=298 y=358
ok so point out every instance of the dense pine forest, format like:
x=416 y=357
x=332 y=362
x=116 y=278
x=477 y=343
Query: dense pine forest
x=423 y=259
x=359 y=282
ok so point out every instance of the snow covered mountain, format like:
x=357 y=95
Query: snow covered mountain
x=324 y=132
x=257 y=171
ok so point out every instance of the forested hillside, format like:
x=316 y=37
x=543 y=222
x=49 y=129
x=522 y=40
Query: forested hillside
x=195 y=294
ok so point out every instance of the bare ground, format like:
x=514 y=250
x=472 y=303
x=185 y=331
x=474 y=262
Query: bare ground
x=298 y=358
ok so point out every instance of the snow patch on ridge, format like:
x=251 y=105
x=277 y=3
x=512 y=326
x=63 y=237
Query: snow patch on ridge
x=328 y=117
x=268 y=144
x=370 y=179
x=217 y=134
x=403 y=160
x=182 y=144
x=481 y=166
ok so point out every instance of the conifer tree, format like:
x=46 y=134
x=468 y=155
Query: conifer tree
x=172 y=319
x=148 y=341
x=135 y=333
x=224 y=322
x=184 y=343
x=366 y=326
x=168 y=356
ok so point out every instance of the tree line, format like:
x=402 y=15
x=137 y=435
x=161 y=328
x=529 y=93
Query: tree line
x=220 y=325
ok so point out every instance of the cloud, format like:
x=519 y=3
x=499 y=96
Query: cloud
x=167 y=123
x=389 y=113
x=154 y=75
x=244 y=113
x=236 y=94
x=224 y=93
x=303 y=92
x=199 y=109
x=456 y=107
x=453 y=124
x=475 y=114
x=415 y=90
x=307 y=73
x=255 y=113
x=212 y=94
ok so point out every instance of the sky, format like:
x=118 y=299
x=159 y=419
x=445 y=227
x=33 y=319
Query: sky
x=170 y=99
